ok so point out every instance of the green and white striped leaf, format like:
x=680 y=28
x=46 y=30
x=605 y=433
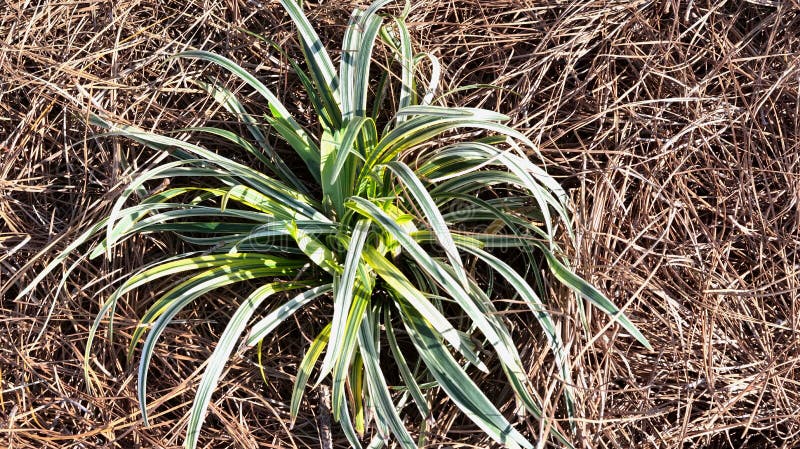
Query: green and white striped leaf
x=453 y=112
x=174 y=212
x=492 y=331
x=341 y=368
x=347 y=426
x=544 y=188
x=433 y=82
x=457 y=384
x=405 y=56
x=222 y=352
x=378 y=389
x=291 y=130
x=359 y=39
x=318 y=60
x=257 y=180
x=164 y=310
x=423 y=128
x=405 y=372
x=304 y=370
x=346 y=149
x=438 y=226
x=165 y=170
x=264 y=326
x=314 y=249
x=395 y=279
x=545 y=320
x=160 y=270
x=269 y=157
x=334 y=188
x=343 y=298
x=593 y=295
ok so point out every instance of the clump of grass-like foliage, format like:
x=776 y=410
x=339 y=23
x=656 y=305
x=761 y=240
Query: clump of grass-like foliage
x=362 y=224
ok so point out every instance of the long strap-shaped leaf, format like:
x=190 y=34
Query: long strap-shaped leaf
x=453 y=112
x=359 y=39
x=304 y=370
x=593 y=295
x=159 y=271
x=225 y=346
x=347 y=426
x=291 y=130
x=319 y=62
x=263 y=327
x=547 y=192
x=267 y=155
x=307 y=83
x=343 y=298
x=492 y=331
x=424 y=127
x=230 y=137
x=217 y=276
x=359 y=390
x=334 y=188
x=456 y=383
x=551 y=331
x=270 y=204
x=234 y=68
x=279 y=228
x=163 y=171
x=404 y=54
x=505 y=213
x=405 y=371
x=440 y=229
x=312 y=247
x=341 y=368
x=378 y=389
x=346 y=148
x=480 y=180
x=403 y=287
x=498 y=157
x=176 y=211
x=165 y=309
x=129 y=226
x=433 y=82
x=266 y=185
x=126 y=220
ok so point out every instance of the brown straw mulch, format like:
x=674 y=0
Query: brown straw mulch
x=675 y=126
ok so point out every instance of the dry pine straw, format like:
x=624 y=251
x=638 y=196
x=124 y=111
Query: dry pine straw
x=674 y=124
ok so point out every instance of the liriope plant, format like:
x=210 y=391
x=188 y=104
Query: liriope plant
x=364 y=222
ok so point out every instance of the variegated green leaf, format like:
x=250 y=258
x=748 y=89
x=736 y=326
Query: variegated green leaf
x=222 y=352
x=457 y=384
x=403 y=287
x=506 y=352
x=316 y=251
x=344 y=293
x=593 y=295
x=378 y=389
x=164 y=310
x=437 y=224
x=405 y=371
x=264 y=326
x=304 y=370
x=291 y=130
x=319 y=62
